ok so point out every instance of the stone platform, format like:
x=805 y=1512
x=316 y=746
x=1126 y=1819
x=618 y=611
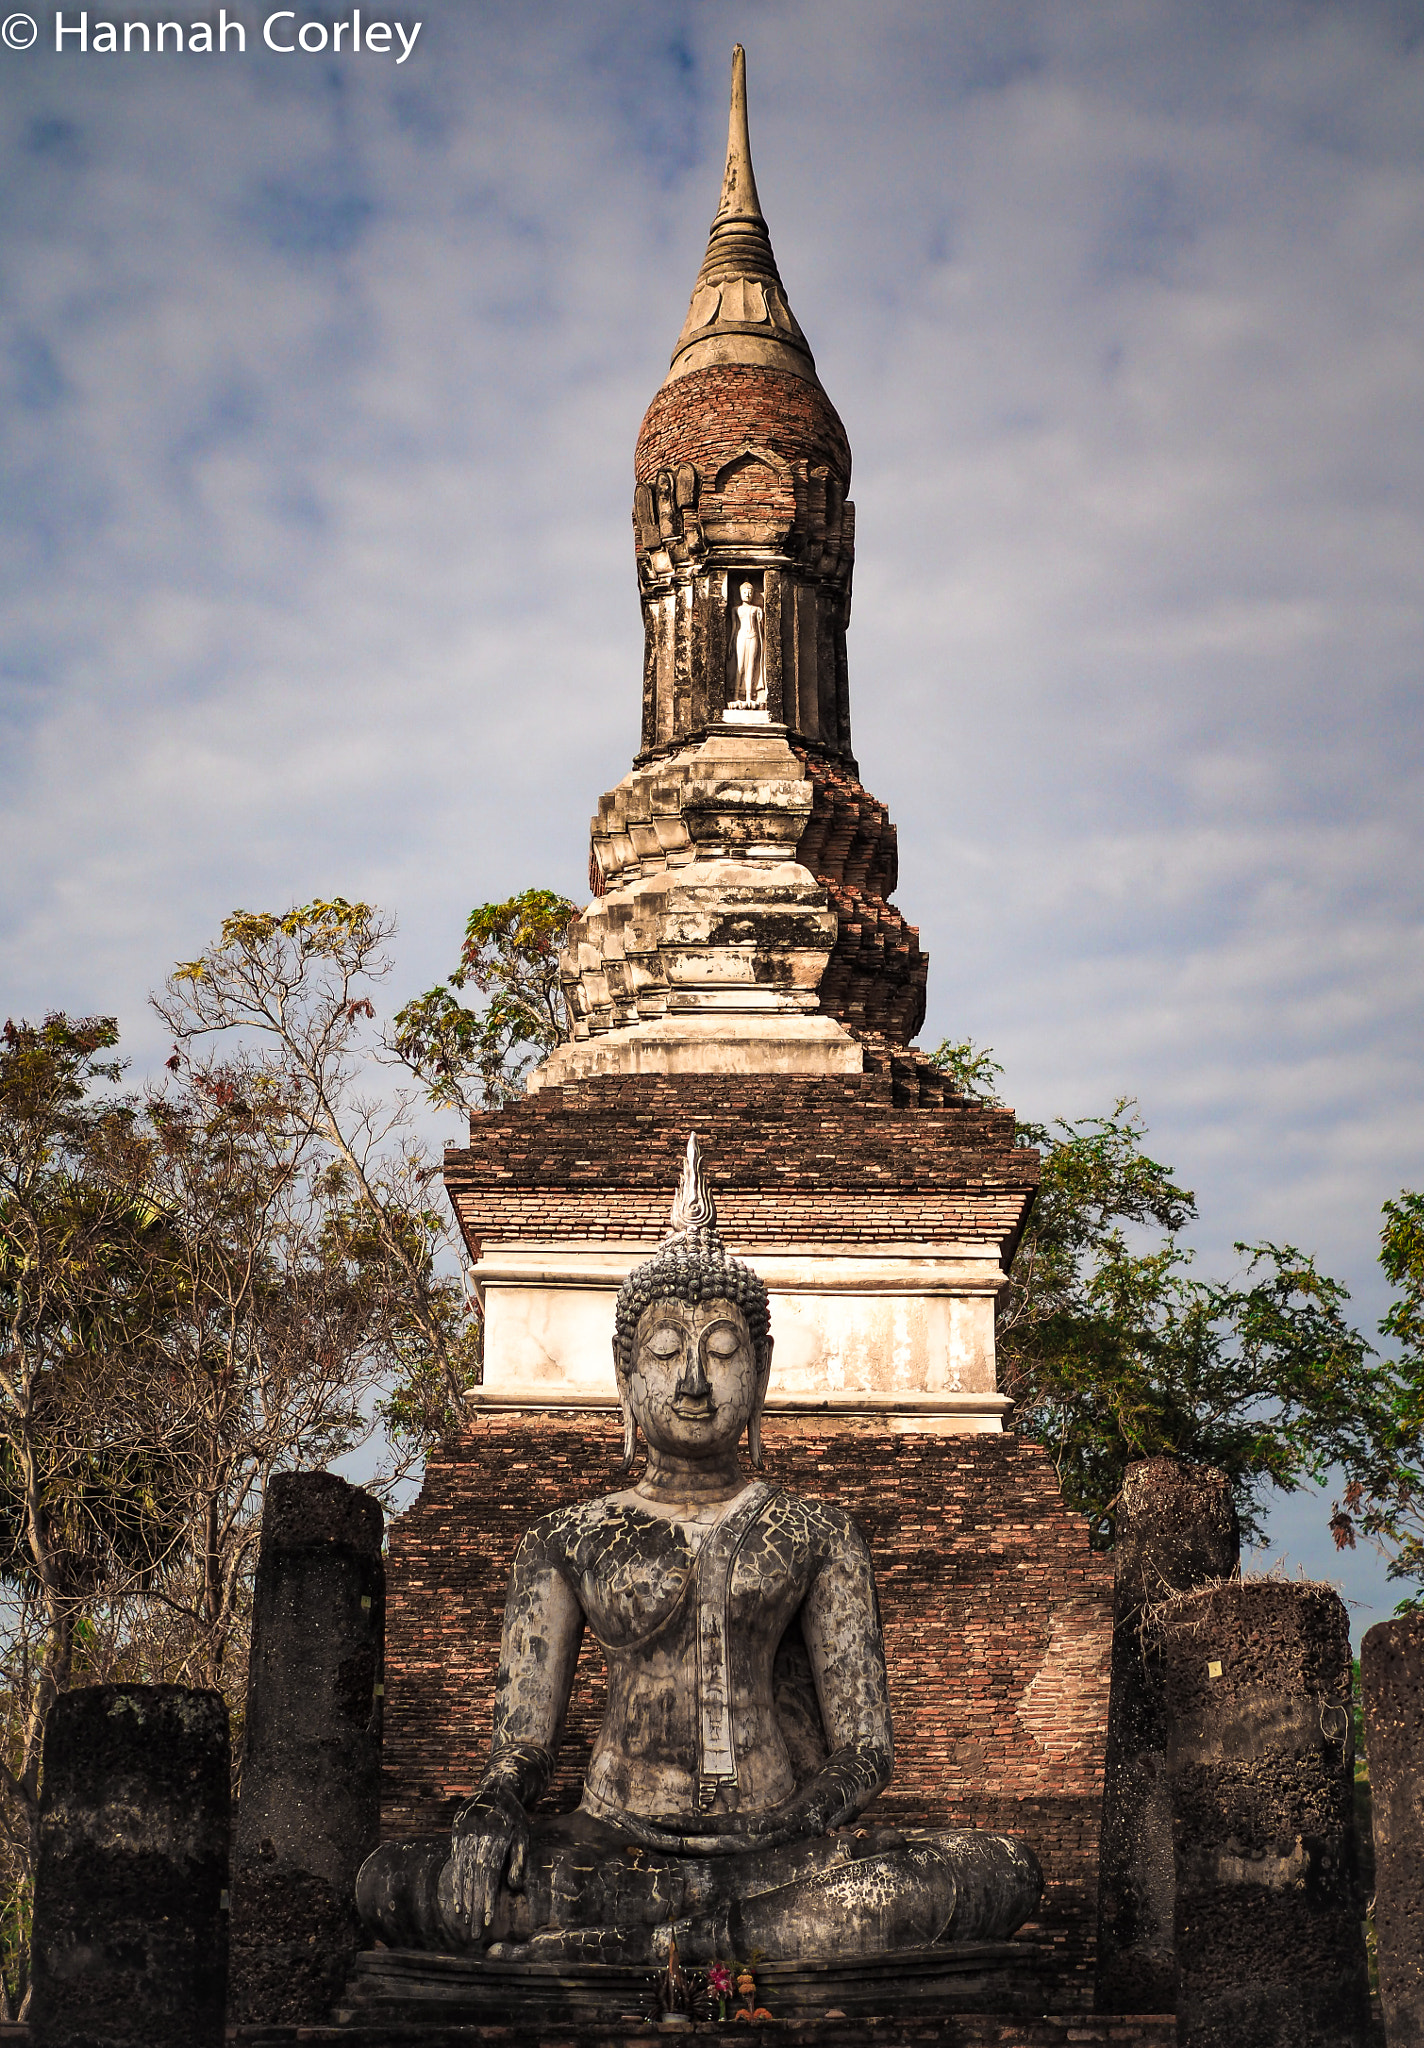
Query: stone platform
x=954 y=2030
x=410 y=1986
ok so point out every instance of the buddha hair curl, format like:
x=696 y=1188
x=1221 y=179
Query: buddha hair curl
x=692 y=1265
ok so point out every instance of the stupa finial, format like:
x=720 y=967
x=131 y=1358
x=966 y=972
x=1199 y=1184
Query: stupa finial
x=739 y=311
x=739 y=192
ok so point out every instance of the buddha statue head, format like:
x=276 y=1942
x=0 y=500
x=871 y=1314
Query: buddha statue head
x=692 y=1342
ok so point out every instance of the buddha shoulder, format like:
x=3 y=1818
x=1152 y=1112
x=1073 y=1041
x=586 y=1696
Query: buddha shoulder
x=565 y=1537
x=815 y=1526
x=592 y=1533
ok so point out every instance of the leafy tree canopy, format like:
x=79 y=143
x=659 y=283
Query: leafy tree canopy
x=1389 y=1507
x=1113 y=1349
x=478 y=1058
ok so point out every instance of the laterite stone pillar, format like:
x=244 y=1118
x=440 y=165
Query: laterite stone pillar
x=1392 y=1681
x=1260 y=1758
x=309 y=1807
x=130 y=1930
x=1176 y=1530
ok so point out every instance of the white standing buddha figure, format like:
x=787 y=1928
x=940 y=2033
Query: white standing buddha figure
x=749 y=651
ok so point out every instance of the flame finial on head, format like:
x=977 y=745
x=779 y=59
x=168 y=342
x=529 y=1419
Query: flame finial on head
x=692 y=1206
x=693 y=1265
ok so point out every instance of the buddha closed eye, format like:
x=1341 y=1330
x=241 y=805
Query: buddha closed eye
x=669 y=1338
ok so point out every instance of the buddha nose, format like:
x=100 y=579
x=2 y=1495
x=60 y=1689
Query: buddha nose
x=694 y=1382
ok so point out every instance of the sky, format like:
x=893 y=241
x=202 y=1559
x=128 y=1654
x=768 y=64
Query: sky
x=321 y=376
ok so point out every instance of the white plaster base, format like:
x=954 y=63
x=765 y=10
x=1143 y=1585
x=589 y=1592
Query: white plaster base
x=907 y=1334
x=773 y=1043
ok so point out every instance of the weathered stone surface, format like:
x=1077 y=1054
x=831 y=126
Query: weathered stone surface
x=977 y=1977
x=706 y=927
x=742 y=469
x=309 y=1810
x=742 y=916
x=1392 y=1682
x=1269 y=1918
x=997 y=1620
x=739 y=311
x=1176 y=1529
x=875 y=980
x=130 y=1928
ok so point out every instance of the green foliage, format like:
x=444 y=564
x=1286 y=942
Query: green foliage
x=276 y=1340
x=972 y=1068
x=85 y=1490
x=1402 y=1257
x=1388 y=1505
x=1113 y=1350
x=91 y=1496
x=478 y=1058
x=244 y=1270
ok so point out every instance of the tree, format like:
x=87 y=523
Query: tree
x=287 y=1321
x=301 y=983
x=1390 y=1506
x=242 y=1270
x=88 y=1493
x=1113 y=1350
x=477 y=1059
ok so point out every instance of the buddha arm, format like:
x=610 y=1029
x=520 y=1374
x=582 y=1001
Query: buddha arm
x=543 y=1627
x=840 y=1622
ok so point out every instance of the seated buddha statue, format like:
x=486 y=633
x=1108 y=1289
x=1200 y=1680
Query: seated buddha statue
x=747 y=1725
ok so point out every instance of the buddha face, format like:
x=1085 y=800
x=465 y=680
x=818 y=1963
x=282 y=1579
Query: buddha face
x=696 y=1377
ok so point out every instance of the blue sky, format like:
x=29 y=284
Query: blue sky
x=321 y=380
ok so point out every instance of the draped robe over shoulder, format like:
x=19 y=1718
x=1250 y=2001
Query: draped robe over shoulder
x=699 y=1710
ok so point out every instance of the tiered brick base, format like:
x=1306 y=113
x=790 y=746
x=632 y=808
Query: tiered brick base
x=998 y=1632
x=884 y=1158
x=875 y=979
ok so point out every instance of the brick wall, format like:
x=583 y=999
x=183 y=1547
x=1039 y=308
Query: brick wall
x=710 y=415
x=875 y=979
x=998 y=1625
x=861 y=1158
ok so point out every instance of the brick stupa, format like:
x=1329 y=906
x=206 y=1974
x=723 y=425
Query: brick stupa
x=741 y=968
x=741 y=971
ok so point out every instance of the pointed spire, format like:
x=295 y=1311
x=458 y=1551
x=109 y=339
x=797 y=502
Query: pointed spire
x=739 y=311
x=739 y=192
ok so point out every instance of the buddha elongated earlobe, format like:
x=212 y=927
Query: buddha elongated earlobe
x=754 y=1419
x=630 y=1438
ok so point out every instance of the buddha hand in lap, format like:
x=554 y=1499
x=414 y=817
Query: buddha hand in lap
x=748 y=1720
